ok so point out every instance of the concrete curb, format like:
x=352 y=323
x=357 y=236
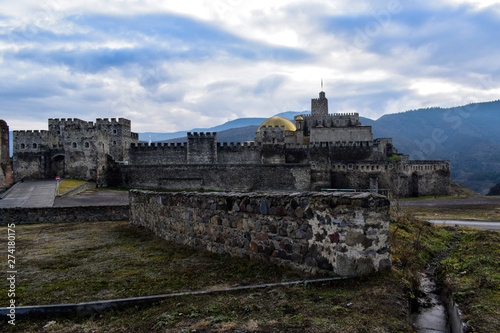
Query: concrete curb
x=101 y=306
x=4 y=194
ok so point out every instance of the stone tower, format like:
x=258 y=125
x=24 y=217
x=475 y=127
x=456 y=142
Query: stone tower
x=319 y=106
x=5 y=165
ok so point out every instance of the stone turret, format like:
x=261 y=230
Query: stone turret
x=201 y=148
x=5 y=164
x=319 y=106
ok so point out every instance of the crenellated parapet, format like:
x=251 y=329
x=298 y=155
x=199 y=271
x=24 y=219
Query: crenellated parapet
x=33 y=141
x=202 y=135
x=237 y=146
x=342 y=144
x=113 y=121
x=57 y=124
x=156 y=146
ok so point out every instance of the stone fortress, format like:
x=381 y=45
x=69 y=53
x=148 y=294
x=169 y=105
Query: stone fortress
x=314 y=152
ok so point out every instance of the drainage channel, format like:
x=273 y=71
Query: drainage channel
x=437 y=312
x=431 y=315
x=100 y=306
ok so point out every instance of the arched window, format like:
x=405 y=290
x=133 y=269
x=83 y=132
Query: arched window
x=74 y=145
x=87 y=145
x=34 y=146
x=23 y=146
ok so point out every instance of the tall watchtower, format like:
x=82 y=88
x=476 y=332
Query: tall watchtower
x=319 y=106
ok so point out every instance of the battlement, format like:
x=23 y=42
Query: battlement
x=113 y=121
x=338 y=144
x=158 y=146
x=29 y=133
x=202 y=135
x=69 y=121
x=341 y=114
x=237 y=146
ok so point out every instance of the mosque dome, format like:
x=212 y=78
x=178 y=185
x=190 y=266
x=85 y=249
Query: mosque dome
x=278 y=121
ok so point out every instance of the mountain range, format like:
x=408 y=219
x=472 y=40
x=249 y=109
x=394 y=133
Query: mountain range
x=468 y=136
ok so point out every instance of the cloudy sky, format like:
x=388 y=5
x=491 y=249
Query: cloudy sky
x=176 y=65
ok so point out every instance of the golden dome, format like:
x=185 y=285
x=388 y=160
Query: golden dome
x=278 y=121
x=299 y=118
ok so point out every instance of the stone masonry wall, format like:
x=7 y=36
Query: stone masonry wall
x=218 y=177
x=63 y=214
x=344 y=233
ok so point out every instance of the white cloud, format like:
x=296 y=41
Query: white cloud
x=172 y=66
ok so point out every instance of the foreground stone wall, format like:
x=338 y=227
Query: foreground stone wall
x=345 y=233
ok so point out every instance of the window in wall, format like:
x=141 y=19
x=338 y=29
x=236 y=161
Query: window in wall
x=23 y=146
x=74 y=145
x=87 y=145
x=114 y=143
x=114 y=131
x=35 y=146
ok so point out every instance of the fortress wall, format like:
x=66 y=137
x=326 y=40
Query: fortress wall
x=218 y=177
x=344 y=233
x=157 y=153
x=404 y=179
x=237 y=153
x=351 y=133
x=428 y=177
x=30 y=165
x=21 y=215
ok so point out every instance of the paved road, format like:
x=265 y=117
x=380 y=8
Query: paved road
x=487 y=225
x=35 y=193
x=451 y=202
x=94 y=198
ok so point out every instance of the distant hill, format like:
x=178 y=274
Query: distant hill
x=237 y=123
x=468 y=136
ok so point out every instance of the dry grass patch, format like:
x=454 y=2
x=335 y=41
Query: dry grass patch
x=78 y=262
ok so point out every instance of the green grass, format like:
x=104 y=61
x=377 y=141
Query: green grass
x=68 y=184
x=459 y=212
x=394 y=158
x=434 y=197
x=467 y=260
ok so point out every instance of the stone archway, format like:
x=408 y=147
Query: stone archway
x=57 y=166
